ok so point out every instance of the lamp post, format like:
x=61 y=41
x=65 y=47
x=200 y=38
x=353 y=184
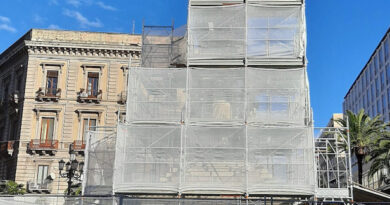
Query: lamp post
x=73 y=170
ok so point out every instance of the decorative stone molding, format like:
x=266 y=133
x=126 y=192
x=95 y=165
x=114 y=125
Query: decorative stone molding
x=85 y=111
x=84 y=52
x=99 y=66
x=38 y=110
x=59 y=65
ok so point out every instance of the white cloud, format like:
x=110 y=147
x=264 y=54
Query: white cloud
x=5 y=24
x=38 y=19
x=84 y=22
x=4 y=19
x=54 y=26
x=75 y=3
x=105 y=6
x=6 y=27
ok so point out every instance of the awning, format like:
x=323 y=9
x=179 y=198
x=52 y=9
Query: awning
x=363 y=194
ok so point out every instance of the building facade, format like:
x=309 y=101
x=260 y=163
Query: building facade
x=54 y=85
x=371 y=91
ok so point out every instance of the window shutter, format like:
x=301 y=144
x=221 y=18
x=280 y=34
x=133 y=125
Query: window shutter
x=93 y=75
x=52 y=74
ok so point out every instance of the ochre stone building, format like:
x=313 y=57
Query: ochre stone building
x=54 y=85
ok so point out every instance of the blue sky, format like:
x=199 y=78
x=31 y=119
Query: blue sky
x=342 y=34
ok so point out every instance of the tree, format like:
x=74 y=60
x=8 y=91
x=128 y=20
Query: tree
x=362 y=131
x=380 y=155
x=12 y=188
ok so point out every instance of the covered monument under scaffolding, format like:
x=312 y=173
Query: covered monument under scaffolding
x=220 y=107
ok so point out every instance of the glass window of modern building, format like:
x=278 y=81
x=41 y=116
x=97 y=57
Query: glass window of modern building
x=381 y=58
x=371 y=89
x=378 y=85
x=388 y=73
x=387 y=49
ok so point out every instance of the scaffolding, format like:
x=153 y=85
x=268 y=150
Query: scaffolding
x=333 y=159
x=220 y=106
x=99 y=161
x=202 y=130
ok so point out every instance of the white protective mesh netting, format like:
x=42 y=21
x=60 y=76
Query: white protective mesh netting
x=232 y=130
x=156 y=95
x=217 y=32
x=246 y=30
x=99 y=158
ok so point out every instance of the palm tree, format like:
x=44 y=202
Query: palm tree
x=362 y=130
x=380 y=155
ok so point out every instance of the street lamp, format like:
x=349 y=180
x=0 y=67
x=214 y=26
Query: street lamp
x=73 y=170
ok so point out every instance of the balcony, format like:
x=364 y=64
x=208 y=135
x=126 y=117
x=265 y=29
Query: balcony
x=7 y=148
x=39 y=188
x=89 y=96
x=36 y=146
x=48 y=94
x=77 y=147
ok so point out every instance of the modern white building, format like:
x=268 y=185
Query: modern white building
x=371 y=91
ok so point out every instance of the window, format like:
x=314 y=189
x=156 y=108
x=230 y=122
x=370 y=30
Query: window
x=381 y=57
x=368 y=95
x=378 y=107
x=364 y=102
x=378 y=86
x=367 y=76
x=51 y=83
x=373 y=93
x=388 y=98
x=387 y=52
x=88 y=125
x=372 y=74
x=388 y=74
x=93 y=84
x=42 y=174
x=383 y=105
x=383 y=81
x=364 y=81
x=376 y=67
x=47 y=129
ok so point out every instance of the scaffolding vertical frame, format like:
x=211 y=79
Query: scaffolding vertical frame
x=267 y=149
x=333 y=153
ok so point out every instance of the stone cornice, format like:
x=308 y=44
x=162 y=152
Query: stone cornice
x=86 y=50
x=80 y=50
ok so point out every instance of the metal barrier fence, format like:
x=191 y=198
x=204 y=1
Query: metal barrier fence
x=126 y=200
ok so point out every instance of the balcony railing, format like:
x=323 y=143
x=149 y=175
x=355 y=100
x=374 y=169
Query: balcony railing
x=77 y=147
x=43 y=146
x=90 y=96
x=48 y=94
x=7 y=147
x=38 y=188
